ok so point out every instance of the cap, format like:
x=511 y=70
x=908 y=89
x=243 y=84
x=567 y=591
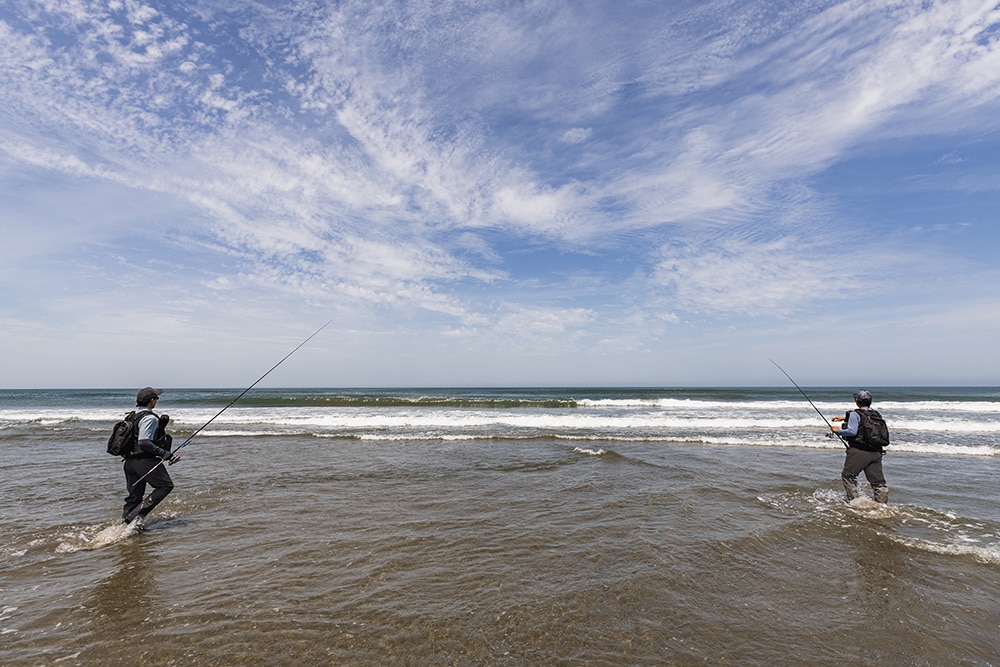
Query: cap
x=146 y=394
x=862 y=396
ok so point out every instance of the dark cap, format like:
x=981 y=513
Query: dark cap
x=146 y=394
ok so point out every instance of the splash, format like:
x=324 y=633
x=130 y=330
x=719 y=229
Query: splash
x=910 y=526
x=83 y=541
x=869 y=509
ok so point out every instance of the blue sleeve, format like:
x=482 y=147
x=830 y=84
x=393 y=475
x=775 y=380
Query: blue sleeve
x=851 y=428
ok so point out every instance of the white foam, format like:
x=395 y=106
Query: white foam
x=828 y=495
x=116 y=532
x=870 y=509
x=987 y=407
x=947 y=426
x=983 y=554
x=72 y=656
x=932 y=427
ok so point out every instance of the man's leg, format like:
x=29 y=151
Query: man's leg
x=875 y=477
x=133 y=471
x=157 y=477
x=854 y=463
x=162 y=485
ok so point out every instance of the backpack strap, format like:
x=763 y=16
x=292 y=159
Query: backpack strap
x=136 y=417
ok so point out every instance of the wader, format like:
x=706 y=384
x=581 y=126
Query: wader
x=871 y=463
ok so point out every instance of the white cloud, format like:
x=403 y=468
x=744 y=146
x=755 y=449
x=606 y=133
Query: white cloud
x=399 y=157
x=543 y=211
x=520 y=325
x=734 y=277
x=576 y=135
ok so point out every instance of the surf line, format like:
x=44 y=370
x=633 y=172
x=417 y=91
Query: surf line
x=230 y=404
x=810 y=402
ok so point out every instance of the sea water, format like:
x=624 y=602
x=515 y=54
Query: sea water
x=502 y=526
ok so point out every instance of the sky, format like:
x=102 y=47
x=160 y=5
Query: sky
x=499 y=193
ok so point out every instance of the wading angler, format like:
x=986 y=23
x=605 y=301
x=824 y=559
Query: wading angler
x=866 y=436
x=142 y=441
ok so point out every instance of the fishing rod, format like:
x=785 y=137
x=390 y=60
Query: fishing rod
x=832 y=430
x=229 y=405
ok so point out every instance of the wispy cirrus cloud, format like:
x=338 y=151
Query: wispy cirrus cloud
x=406 y=157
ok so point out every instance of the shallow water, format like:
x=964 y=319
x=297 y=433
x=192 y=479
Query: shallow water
x=298 y=549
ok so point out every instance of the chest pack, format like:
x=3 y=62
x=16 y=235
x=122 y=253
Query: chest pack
x=124 y=440
x=873 y=433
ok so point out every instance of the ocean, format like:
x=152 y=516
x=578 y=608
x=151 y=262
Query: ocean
x=616 y=526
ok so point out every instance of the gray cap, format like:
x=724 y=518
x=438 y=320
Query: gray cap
x=863 y=396
x=146 y=394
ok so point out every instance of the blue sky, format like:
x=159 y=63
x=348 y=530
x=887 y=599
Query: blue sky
x=499 y=193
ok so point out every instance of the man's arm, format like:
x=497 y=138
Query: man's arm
x=850 y=429
x=147 y=431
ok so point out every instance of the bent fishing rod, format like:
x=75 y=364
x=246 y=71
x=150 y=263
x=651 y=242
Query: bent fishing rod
x=832 y=430
x=229 y=405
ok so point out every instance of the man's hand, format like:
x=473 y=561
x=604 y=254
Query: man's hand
x=170 y=458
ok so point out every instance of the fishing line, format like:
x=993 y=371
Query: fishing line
x=229 y=405
x=832 y=430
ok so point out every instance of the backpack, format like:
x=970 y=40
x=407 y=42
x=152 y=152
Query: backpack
x=125 y=434
x=873 y=433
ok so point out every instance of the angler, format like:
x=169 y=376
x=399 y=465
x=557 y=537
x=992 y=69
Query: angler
x=146 y=399
x=146 y=447
x=867 y=436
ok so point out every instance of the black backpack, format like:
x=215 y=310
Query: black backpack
x=125 y=434
x=873 y=433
